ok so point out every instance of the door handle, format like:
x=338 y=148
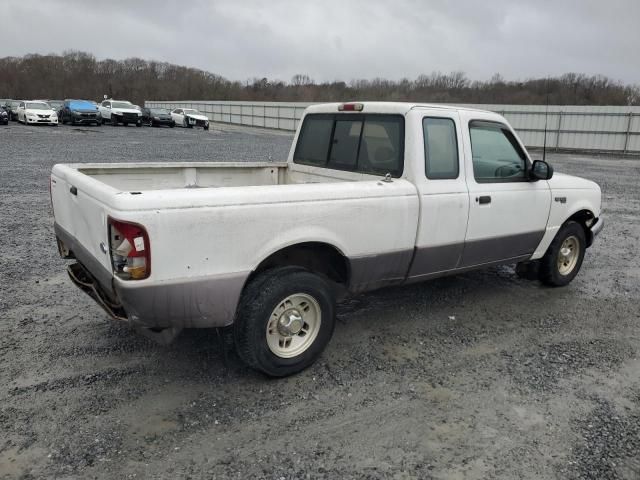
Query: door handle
x=484 y=199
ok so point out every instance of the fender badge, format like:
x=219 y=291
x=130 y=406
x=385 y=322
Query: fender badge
x=561 y=199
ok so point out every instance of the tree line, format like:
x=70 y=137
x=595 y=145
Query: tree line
x=77 y=74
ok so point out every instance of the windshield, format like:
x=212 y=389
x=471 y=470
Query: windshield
x=192 y=111
x=14 y=104
x=121 y=105
x=37 y=106
x=159 y=111
x=81 y=105
x=55 y=103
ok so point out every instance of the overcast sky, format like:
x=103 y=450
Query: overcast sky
x=340 y=39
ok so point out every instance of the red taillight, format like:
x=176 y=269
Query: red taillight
x=350 y=107
x=130 y=250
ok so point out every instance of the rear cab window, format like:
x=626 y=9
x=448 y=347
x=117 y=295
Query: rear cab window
x=362 y=143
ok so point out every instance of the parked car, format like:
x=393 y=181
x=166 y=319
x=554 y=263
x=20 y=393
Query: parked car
x=120 y=111
x=38 y=113
x=80 y=112
x=373 y=194
x=56 y=105
x=4 y=116
x=189 y=118
x=12 y=109
x=155 y=117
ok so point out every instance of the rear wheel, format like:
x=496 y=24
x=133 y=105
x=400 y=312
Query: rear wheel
x=285 y=319
x=564 y=256
x=114 y=121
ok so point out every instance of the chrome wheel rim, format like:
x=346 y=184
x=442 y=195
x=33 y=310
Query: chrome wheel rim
x=293 y=325
x=568 y=255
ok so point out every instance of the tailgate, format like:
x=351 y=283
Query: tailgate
x=82 y=216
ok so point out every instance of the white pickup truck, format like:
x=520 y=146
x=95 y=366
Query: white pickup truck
x=373 y=194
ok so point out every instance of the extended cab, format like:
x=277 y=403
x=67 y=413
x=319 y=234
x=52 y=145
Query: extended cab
x=373 y=194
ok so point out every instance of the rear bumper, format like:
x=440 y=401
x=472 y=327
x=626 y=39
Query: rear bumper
x=201 y=302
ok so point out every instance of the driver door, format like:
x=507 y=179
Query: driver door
x=507 y=213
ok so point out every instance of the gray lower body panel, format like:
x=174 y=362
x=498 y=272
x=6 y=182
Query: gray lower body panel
x=198 y=303
x=202 y=302
x=371 y=272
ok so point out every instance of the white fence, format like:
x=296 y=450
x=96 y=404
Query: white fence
x=606 y=129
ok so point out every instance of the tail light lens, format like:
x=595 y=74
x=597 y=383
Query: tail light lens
x=130 y=250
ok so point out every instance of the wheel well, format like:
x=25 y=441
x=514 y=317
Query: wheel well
x=314 y=256
x=583 y=217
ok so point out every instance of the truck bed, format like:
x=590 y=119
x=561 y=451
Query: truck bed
x=169 y=176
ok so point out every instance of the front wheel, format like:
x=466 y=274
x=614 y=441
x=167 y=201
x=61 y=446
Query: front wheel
x=564 y=256
x=285 y=319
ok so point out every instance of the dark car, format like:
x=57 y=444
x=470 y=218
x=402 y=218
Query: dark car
x=154 y=117
x=4 y=116
x=12 y=109
x=56 y=105
x=80 y=112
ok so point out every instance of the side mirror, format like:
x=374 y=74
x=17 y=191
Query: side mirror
x=541 y=170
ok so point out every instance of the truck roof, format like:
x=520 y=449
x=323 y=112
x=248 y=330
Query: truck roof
x=387 y=107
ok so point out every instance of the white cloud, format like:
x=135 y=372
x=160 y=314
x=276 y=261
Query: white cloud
x=340 y=39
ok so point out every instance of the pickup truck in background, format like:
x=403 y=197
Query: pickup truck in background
x=373 y=194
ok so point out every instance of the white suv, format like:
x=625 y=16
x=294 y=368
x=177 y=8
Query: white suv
x=120 y=111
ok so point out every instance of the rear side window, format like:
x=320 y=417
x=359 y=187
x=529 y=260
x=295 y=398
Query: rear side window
x=371 y=144
x=440 y=148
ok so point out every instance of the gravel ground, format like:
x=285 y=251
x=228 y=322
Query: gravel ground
x=476 y=376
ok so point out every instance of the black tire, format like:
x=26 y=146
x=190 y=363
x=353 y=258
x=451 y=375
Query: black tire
x=206 y=127
x=139 y=123
x=550 y=273
x=99 y=123
x=114 y=121
x=259 y=298
x=172 y=125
